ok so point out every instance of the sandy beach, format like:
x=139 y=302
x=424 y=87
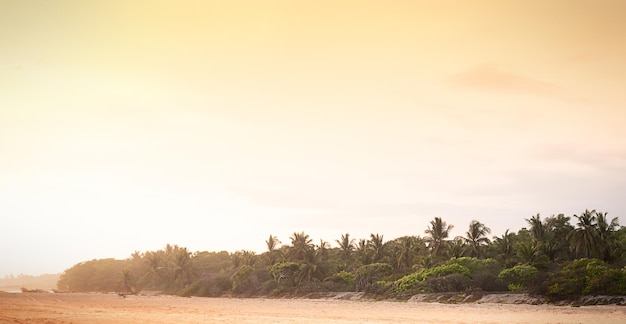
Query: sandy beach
x=111 y=308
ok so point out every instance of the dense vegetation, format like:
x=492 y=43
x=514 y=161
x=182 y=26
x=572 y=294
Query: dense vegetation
x=551 y=257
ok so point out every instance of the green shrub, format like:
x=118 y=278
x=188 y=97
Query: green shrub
x=610 y=282
x=518 y=277
x=213 y=286
x=483 y=272
x=381 y=287
x=366 y=275
x=345 y=281
x=487 y=282
x=197 y=288
x=240 y=279
x=347 y=277
x=475 y=265
x=448 y=283
x=284 y=273
x=447 y=269
x=219 y=285
x=409 y=281
x=412 y=280
x=587 y=276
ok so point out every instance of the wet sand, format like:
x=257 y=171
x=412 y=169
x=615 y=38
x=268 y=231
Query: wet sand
x=111 y=308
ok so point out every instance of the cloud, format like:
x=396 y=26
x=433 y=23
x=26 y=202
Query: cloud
x=489 y=78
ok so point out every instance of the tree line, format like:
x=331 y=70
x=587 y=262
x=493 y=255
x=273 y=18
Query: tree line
x=550 y=257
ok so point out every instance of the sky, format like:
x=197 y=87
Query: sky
x=128 y=125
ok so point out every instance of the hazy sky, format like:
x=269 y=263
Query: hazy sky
x=127 y=125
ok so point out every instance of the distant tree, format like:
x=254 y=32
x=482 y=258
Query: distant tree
x=377 y=245
x=170 y=253
x=476 y=237
x=301 y=244
x=153 y=261
x=437 y=232
x=272 y=249
x=249 y=258
x=346 y=244
x=364 y=252
x=606 y=230
x=537 y=229
x=619 y=246
x=136 y=256
x=455 y=248
x=584 y=240
x=529 y=253
x=322 y=250
x=236 y=259
x=424 y=262
x=308 y=267
x=183 y=267
x=129 y=282
x=547 y=236
x=557 y=246
x=504 y=247
x=406 y=247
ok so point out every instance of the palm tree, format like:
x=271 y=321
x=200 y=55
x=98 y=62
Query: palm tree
x=300 y=244
x=544 y=236
x=272 y=243
x=378 y=246
x=248 y=258
x=529 y=253
x=504 y=246
x=406 y=244
x=437 y=232
x=272 y=246
x=153 y=260
x=475 y=237
x=308 y=267
x=183 y=267
x=549 y=249
x=129 y=281
x=346 y=244
x=605 y=230
x=537 y=228
x=364 y=252
x=584 y=240
x=136 y=256
x=455 y=248
x=169 y=255
x=170 y=249
x=236 y=258
x=322 y=259
x=558 y=228
x=322 y=250
x=425 y=262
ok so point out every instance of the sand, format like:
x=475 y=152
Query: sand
x=111 y=308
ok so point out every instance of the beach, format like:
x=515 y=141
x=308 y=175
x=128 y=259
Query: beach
x=112 y=308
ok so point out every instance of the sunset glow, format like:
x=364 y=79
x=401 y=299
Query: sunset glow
x=127 y=125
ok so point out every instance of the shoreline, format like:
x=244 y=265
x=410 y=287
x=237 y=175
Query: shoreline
x=442 y=298
x=462 y=298
x=341 y=309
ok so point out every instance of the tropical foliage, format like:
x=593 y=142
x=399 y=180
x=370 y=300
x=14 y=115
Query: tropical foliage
x=550 y=257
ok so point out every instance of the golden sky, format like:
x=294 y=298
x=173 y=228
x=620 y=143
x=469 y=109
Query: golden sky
x=126 y=125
